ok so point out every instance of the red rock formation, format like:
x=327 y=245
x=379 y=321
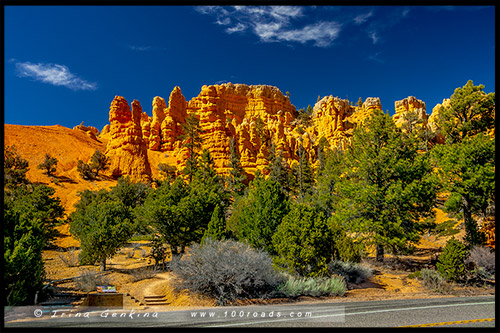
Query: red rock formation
x=433 y=120
x=175 y=115
x=232 y=110
x=91 y=131
x=329 y=118
x=159 y=107
x=335 y=118
x=410 y=105
x=126 y=148
x=255 y=116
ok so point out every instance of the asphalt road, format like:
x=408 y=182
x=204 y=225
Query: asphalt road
x=441 y=312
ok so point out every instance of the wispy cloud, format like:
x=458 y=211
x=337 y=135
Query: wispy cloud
x=140 y=48
x=321 y=33
x=362 y=18
x=389 y=19
x=237 y=28
x=321 y=26
x=274 y=23
x=374 y=36
x=376 y=57
x=57 y=75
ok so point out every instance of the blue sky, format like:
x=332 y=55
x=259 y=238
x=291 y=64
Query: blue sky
x=64 y=64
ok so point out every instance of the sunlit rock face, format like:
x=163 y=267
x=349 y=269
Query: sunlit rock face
x=255 y=116
x=410 y=110
x=126 y=148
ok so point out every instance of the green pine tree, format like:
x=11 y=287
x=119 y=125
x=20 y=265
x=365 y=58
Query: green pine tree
x=257 y=215
x=278 y=170
x=192 y=141
x=216 y=229
x=237 y=177
x=326 y=194
x=30 y=212
x=471 y=111
x=467 y=171
x=102 y=227
x=386 y=188
x=303 y=242
x=303 y=176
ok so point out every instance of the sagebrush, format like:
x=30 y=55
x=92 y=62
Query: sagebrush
x=434 y=281
x=144 y=273
x=352 y=272
x=482 y=257
x=226 y=270
x=69 y=258
x=89 y=280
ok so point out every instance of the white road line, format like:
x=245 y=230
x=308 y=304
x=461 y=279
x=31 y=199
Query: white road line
x=350 y=314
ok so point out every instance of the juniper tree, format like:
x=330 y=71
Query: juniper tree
x=180 y=212
x=257 y=215
x=98 y=162
x=85 y=170
x=30 y=212
x=167 y=171
x=303 y=242
x=15 y=168
x=48 y=165
x=102 y=227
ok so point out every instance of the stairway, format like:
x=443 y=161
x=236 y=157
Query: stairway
x=130 y=301
x=155 y=300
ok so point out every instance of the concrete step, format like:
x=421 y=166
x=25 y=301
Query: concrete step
x=152 y=300
x=131 y=301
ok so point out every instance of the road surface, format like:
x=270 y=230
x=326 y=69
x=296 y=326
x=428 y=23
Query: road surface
x=440 y=312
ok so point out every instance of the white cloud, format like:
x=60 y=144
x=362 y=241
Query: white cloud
x=57 y=75
x=140 y=48
x=267 y=31
x=283 y=12
x=374 y=36
x=224 y=21
x=273 y=23
x=237 y=28
x=321 y=33
x=361 y=18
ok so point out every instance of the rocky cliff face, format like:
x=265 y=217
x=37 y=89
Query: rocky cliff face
x=253 y=115
x=91 y=131
x=256 y=116
x=126 y=148
x=434 y=117
x=410 y=112
x=334 y=118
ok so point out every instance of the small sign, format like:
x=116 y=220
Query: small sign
x=106 y=289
